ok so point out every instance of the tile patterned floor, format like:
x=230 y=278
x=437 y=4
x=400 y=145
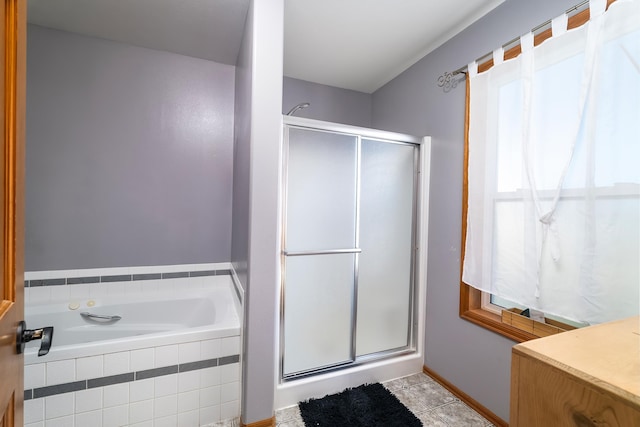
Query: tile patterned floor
x=429 y=401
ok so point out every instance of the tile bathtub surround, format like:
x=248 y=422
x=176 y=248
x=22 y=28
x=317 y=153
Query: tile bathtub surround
x=429 y=401
x=44 y=287
x=49 y=378
x=192 y=383
x=195 y=392
x=227 y=365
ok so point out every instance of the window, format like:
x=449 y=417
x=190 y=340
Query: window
x=552 y=187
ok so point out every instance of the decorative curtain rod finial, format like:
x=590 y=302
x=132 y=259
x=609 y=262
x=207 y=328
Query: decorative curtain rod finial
x=448 y=80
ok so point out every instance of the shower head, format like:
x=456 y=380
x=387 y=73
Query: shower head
x=298 y=107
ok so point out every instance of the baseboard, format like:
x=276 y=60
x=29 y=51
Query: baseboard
x=271 y=422
x=468 y=400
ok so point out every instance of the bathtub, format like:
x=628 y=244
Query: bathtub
x=171 y=357
x=145 y=321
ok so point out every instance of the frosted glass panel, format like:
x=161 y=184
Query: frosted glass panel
x=318 y=301
x=321 y=189
x=384 y=283
x=327 y=195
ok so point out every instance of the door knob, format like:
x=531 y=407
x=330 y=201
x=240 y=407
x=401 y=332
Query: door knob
x=25 y=335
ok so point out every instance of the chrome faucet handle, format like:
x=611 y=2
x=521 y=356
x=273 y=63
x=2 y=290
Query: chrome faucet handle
x=24 y=335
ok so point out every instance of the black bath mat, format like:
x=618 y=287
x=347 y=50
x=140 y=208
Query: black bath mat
x=370 y=405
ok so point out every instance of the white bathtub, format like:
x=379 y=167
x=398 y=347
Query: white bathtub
x=146 y=321
x=172 y=359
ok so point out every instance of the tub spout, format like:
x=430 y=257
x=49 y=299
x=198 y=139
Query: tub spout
x=24 y=335
x=46 y=340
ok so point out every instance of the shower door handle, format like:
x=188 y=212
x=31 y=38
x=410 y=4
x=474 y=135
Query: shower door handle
x=24 y=335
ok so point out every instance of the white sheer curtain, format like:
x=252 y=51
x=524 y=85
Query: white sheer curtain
x=554 y=170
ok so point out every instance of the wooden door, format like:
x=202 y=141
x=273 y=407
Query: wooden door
x=12 y=95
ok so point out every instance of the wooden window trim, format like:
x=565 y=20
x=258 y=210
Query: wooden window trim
x=470 y=297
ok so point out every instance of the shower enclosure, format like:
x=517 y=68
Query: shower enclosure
x=350 y=222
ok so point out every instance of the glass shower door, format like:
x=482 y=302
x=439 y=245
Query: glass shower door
x=386 y=230
x=349 y=229
x=320 y=250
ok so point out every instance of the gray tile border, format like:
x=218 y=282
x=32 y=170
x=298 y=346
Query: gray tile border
x=28 y=394
x=148 y=276
x=203 y=273
x=116 y=278
x=110 y=380
x=124 y=278
x=202 y=364
x=82 y=280
x=175 y=275
x=59 y=389
x=156 y=372
x=47 y=282
x=54 y=282
x=227 y=360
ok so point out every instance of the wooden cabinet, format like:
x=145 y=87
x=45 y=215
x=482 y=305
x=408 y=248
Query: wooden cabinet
x=587 y=377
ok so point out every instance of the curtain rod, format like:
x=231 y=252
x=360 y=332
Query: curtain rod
x=446 y=80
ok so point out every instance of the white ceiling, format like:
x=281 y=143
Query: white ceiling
x=208 y=29
x=363 y=44
x=352 y=44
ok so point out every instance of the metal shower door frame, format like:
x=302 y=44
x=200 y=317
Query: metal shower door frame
x=290 y=122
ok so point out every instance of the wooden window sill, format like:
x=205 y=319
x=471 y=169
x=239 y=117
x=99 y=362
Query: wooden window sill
x=493 y=322
x=471 y=310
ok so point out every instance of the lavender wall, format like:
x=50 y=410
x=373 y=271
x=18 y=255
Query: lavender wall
x=129 y=155
x=328 y=103
x=472 y=358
